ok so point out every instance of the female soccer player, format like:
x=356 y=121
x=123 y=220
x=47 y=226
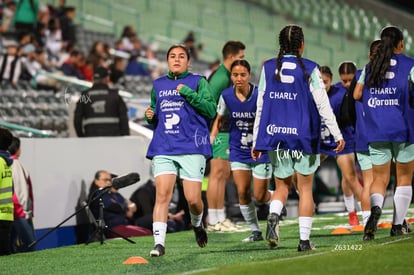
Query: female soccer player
x=345 y=159
x=291 y=101
x=181 y=105
x=238 y=103
x=385 y=85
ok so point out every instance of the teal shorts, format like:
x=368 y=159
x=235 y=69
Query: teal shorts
x=285 y=163
x=383 y=152
x=221 y=147
x=259 y=170
x=364 y=160
x=188 y=167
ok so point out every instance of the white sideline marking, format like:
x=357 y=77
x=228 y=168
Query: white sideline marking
x=396 y=241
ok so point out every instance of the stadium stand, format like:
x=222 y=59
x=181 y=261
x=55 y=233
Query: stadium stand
x=334 y=31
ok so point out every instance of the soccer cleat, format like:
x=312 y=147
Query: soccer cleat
x=225 y=226
x=371 y=226
x=406 y=227
x=254 y=237
x=232 y=226
x=272 y=230
x=200 y=236
x=305 y=246
x=353 y=218
x=158 y=251
x=396 y=230
x=368 y=237
x=283 y=214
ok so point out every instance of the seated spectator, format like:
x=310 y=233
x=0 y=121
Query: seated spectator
x=211 y=68
x=33 y=64
x=127 y=37
x=64 y=54
x=117 y=69
x=54 y=44
x=135 y=67
x=98 y=54
x=117 y=210
x=41 y=26
x=10 y=65
x=144 y=199
x=7 y=19
x=71 y=66
x=86 y=67
x=189 y=42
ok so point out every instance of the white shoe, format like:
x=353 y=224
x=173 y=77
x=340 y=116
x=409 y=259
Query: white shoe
x=233 y=227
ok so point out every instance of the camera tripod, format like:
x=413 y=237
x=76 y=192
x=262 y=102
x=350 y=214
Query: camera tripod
x=100 y=227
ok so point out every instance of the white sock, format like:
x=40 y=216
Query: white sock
x=212 y=216
x=159 y=229
x=365 y=216
x=276 y=207
x=377 y=199
x=196 y=219
x=402 y=200
x=349 y=203
x=221 y=215
x=250 y=216
x=358 y=208
x=305 y=226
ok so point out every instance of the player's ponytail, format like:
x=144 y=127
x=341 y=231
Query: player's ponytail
x=380 y=63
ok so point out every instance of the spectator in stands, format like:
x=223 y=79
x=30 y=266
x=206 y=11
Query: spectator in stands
x=71 y=65
x=86 y=67
x=132 y=43
x=64 y=54
x=10 y=65
x=8 y=16
x=34 y=64
x=25 y=16
x=97 y=54
x=67 y=25
x=128 y=36
x=6 y=184
x=100 y=110
x=117 y=69
x=23 y=230
x=117 y=211
x=60 y=9
x=41 y=26
x=53 y=43
x=135 y=67
x=211 y=68
x=190 y=43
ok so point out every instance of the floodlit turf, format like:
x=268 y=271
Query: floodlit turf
x=226 y=254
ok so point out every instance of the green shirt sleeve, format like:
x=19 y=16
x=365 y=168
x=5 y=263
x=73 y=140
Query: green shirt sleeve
x=219 y=81
x=202 y=100
x=152 y=106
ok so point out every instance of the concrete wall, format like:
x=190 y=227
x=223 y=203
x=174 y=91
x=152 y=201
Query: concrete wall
x=63 y=169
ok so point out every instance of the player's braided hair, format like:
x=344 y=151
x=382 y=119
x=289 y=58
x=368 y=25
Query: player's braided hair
x=380 y=61
x=290 y=41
